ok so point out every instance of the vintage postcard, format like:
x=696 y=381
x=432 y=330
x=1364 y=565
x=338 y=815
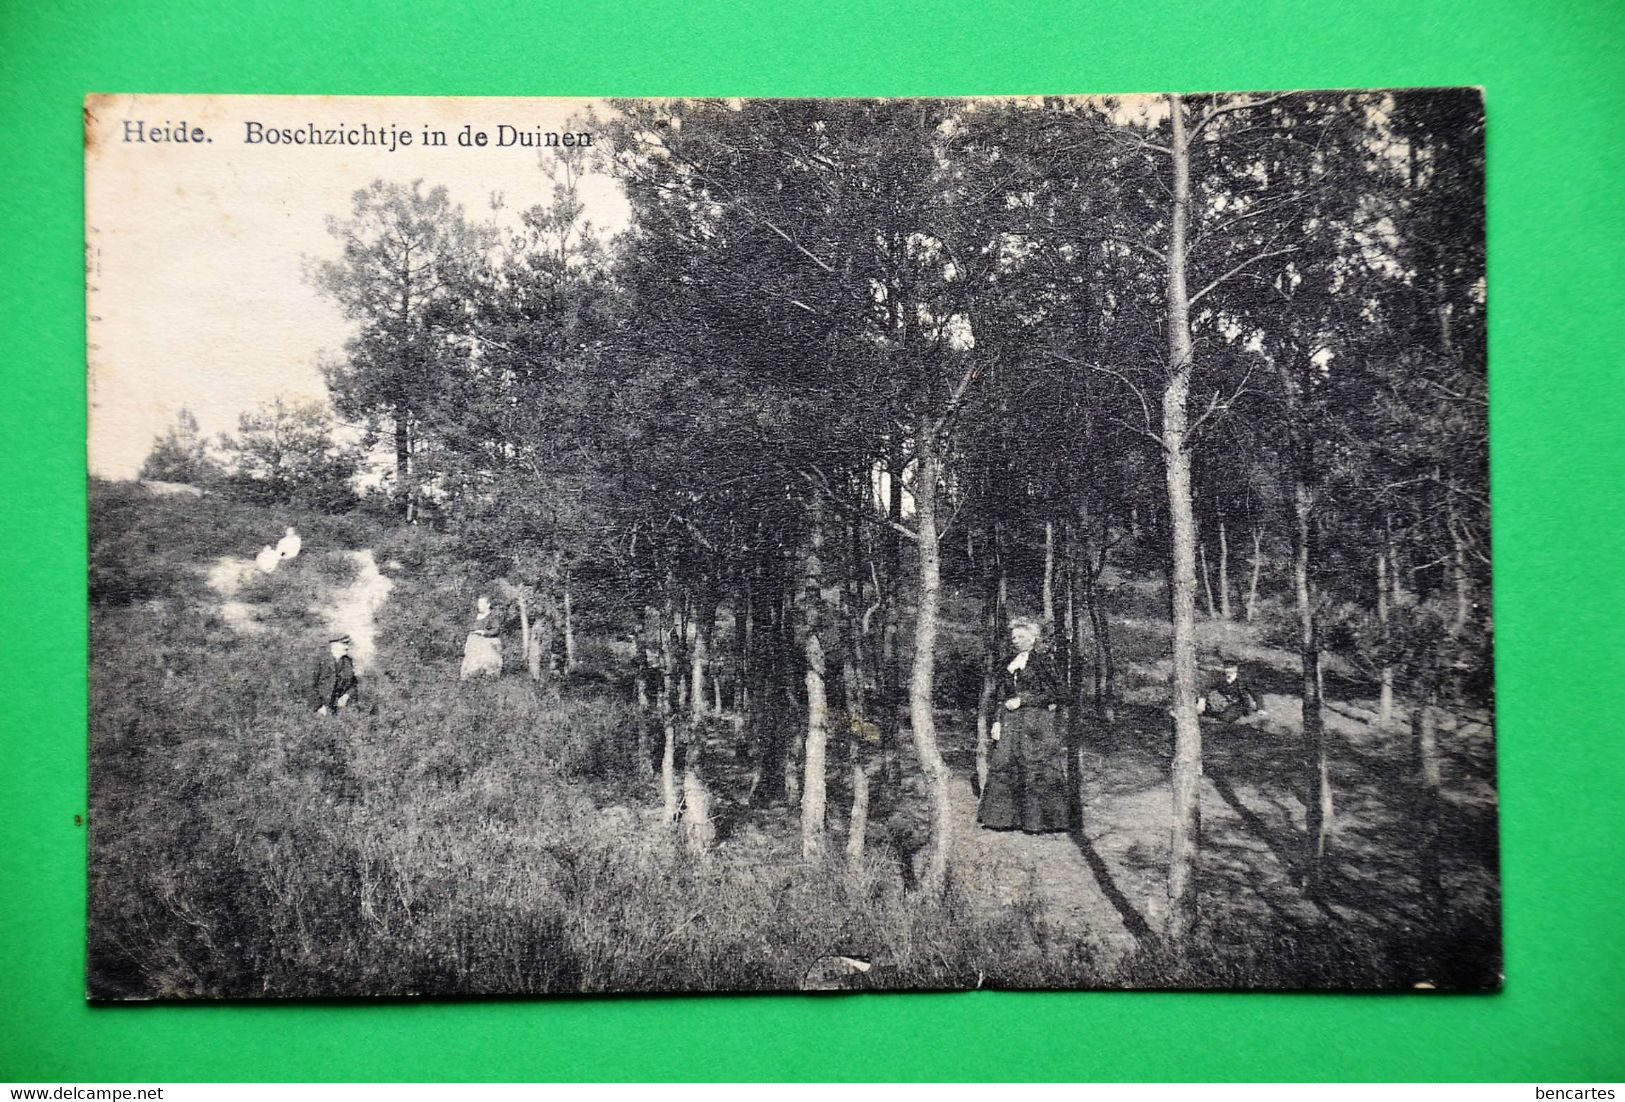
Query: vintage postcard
x=555 y=546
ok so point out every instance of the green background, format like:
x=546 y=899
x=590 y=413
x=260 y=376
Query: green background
x=1555 y=87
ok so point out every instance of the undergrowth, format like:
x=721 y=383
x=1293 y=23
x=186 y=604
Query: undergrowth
x=491 y=837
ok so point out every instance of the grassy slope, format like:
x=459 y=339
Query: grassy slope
x=492 y=838
x=482 y=838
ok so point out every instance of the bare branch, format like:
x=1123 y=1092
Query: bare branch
x=789 y=239
x=1258 y=210
x=1134 y=243
x=1225 y=405
x=958 y=395
x=824 y=265
x=694 y=532
x=1120 y=136
x=1135 y=429
x=1145 y=406
x=1247 y=105
x=1233 y=272
x=508 y=349
x=828 y=494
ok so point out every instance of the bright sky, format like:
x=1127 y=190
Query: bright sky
x=196 y=252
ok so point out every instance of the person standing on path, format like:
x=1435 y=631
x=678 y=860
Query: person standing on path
x=1026 y=780
x=334 y=686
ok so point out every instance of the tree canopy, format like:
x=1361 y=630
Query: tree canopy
x=852 y=355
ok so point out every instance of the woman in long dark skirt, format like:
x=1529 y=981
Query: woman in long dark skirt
x=1026 y=778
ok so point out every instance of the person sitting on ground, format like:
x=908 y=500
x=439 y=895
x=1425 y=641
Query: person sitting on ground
x=482 y=650
x=267 y=559
x=1227 y=696
x=289 y=545
x=334 y=686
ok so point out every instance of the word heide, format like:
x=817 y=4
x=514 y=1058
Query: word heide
x=137 y=130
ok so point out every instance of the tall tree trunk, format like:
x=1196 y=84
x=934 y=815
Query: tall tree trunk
x=984 y=713
x=1106 y=705
x=817 y=737
x=1061 y=623
x=922 y=679
x=705 y=616
x=526 y=649
x=790 y=658
x=1100 y=630
x=857 y=829
x=1224 y=571
x=1049 y=571
x=858 y=729
x=1097 y=668
x=1426 y=781
x=698 y=831
x=993 y=620
x=1425 y=736
x=1082 y=610
x=1385 y=627
x=668 y=691
x=569 y=621
x=1258 y=567
x=642 y=761
x=1207 y=578
x=1185 y=837
x=890 y=675
x=770 y=722
x=744 y=629
x=1319 y=811
x=403 y=463
x=1072 y=676
x=769 y=718
x=1458 y=561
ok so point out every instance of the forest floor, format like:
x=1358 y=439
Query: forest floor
x=1108 y=882
x=1050 y=871
x=489 y=808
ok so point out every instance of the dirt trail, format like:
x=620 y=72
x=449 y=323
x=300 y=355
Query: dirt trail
x=353 y=609
x=226 y=577
x=350 y=609
x=1005 y=866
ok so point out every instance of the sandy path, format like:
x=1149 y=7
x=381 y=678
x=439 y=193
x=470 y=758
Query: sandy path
x=353 y=610
x=226 y=577
x=1006 y=865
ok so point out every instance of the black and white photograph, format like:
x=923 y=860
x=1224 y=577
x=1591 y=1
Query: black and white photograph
x=553 y=547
